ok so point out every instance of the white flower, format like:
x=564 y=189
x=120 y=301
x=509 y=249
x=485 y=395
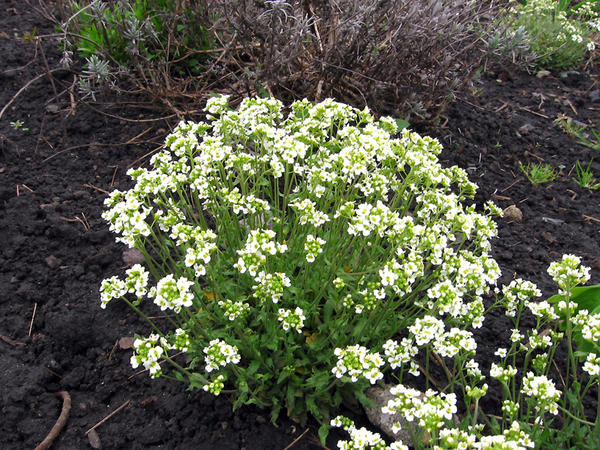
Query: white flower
x=219 y=354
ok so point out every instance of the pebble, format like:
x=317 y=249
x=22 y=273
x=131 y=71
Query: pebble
x=126 y=342
x=53 y=262
x=595 y=95
x=513 y=214
x=552 y=221
x=133 y=256
x=543 y=74
x=525 y=129
x=52 y=108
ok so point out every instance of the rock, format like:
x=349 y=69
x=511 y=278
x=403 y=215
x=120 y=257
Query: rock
x=133 y=256
x=548 y=237
x=543 y=74
x=126 y=342
x=525 y=129
x=513 y=214
x=552 y=221
x=53 y=262
x=52 y=108
x=380 y=397
x=571 y=77
x=595 y=95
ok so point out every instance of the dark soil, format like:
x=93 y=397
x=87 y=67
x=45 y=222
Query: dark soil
x=55 y=248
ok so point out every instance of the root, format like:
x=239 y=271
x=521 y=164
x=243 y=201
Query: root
x=60 y=423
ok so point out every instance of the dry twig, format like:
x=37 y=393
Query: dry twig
x=108 y=417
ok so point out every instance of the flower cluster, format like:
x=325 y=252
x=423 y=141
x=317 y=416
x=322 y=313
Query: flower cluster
x=429 y=410
x=313 y=246
x=148 y=352
x=219 y=354
x=270 y=286
x=259 y=244
x=216 y=386
x=503 y=374
x=516 y=292
x=234 y=310
x=592 y=365
x=361 y=438
x=170 y=293
x=356 y=361
x=568 y=272
x=542 y=391
x=293 y=320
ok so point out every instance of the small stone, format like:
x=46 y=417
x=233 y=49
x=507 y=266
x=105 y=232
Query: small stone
x=81 y=194
x=513 y=214
x=52 y=108
x=543 y=74
x=525 y=129
x=595 y=95
x=552 y=221
x=569 y=73
x=94 y=439
x=549 y=237
x=133 y=256
x=53 y=262
x=126 y=342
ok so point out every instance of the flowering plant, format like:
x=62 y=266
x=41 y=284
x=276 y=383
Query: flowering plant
x=528 y=373
x=291 y=246
x=559 y=34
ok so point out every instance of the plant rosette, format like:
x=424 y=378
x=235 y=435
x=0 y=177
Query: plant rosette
x=289 y=247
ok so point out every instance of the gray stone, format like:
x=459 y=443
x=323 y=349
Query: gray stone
x=553 y=221
x=53 y=262
x=380 y=397
x=525 y=129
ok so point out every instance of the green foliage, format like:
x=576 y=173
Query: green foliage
x=593 y=143
x=585 y=178
x=559 y=35
x=538 y=173
x=18 y=125
x=142 y=38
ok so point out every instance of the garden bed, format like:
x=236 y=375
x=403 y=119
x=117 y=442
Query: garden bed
x=55 y=248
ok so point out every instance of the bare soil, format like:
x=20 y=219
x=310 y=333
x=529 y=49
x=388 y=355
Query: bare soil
x=55 y=249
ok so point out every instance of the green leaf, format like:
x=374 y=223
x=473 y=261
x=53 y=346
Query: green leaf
x=586 y=297
x=324 y=432
x=328 y=310
x=402 y=124
x=275 y=412
x=284 y=375
x=362 y=398
x=312 y=407
x=252 y=368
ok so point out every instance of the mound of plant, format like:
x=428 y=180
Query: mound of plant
x=300 y=254
x=560 y=33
